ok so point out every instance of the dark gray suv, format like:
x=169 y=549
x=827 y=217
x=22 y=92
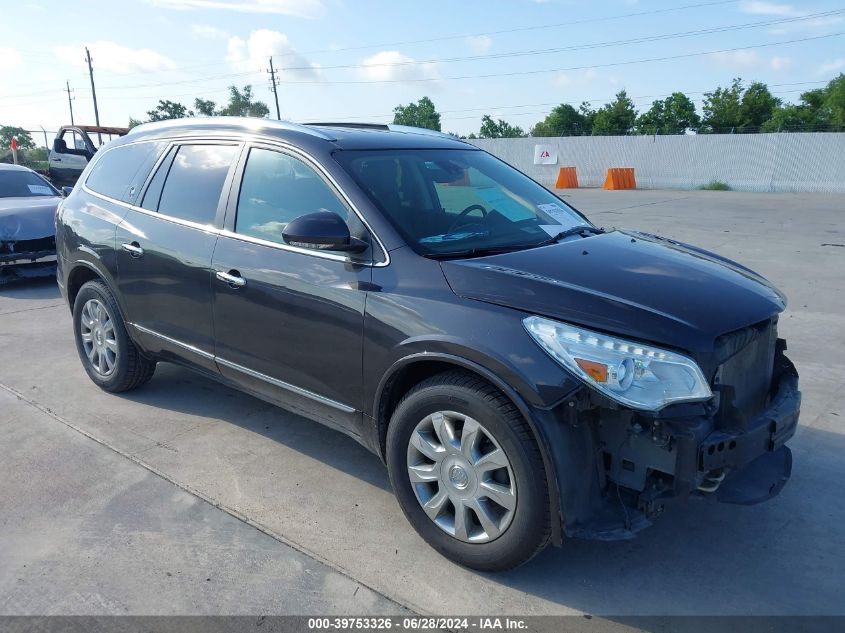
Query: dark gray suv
x=524 y=374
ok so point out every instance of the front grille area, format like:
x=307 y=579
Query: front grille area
x=744 y=377
x=28 y=246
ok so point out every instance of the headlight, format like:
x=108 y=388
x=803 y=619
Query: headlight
x=633 y=374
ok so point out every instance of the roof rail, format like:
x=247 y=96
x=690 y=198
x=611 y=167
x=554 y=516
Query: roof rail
x=360 y=126
x=252 y=123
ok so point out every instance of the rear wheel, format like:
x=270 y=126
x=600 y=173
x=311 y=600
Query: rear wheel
x=468 y=473
x=109 y=356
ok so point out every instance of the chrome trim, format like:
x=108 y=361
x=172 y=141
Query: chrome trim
x=232 y=280
x=249 y=372
x=173 y=341
x=135 y=251
x=207 y=228
x=284 y=385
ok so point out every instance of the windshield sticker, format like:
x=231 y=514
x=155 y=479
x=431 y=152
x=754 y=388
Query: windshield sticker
x=41 y=190
x=556 y=211
x=504 y=204
x=552 y=229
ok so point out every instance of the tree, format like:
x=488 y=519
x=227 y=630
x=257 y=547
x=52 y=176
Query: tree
x=723 y=108
x=498 y=129
x=615 y=118
x=565 y=120
x=166 y=110
x=205 y=107
x=7 y=132
x=673 y=115
x=242 y=103
x=134 y=123
x=757 y=106
x=420 y=114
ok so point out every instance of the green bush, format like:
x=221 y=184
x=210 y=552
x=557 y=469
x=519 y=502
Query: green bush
x=715 y=185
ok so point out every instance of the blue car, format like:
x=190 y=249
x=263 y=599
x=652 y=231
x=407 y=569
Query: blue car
x=28 y=204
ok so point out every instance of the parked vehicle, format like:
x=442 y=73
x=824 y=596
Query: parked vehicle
x=525 y=375
x=73 y=147
x=27 y=223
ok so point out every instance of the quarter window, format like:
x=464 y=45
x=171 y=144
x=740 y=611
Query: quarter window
x=277 y=188
x=195 y=181
x=120 y=172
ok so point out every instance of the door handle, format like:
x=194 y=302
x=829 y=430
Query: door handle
x=134 y=249
x=56 y=160
x=232 y=278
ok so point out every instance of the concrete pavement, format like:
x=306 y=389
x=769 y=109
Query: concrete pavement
x=321 y=493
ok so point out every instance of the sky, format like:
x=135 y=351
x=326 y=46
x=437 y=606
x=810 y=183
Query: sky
x=355 y=60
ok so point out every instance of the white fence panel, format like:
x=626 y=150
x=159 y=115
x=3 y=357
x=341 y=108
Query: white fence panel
x=812 y=162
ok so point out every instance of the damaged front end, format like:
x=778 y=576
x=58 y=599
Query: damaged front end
x=730 y=446
x=26 y=259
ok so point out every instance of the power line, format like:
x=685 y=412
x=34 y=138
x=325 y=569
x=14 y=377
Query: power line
x=578 y=47
x=585 y=67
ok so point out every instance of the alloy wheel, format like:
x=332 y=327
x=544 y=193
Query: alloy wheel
x=461 y=477
x=96 y=327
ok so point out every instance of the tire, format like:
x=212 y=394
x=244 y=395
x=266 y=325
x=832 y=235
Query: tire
x=467 y=399
x=125 y=367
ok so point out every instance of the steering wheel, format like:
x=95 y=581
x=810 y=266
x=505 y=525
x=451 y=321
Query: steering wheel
x=465 y=213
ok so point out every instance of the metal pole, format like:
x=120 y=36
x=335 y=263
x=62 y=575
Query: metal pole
x=93 y=93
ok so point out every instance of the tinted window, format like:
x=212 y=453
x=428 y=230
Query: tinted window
x=446 y=201
x=195 y=181
x=276 y=188
x=17 y=183
x=153 y=193
x=120 y=172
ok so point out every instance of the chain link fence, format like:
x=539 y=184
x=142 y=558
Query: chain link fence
x=785 y=162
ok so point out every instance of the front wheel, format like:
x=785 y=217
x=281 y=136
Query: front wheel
x=468 y=473
x=109 y=356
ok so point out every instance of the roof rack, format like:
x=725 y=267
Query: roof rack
x=388 y=127
x=253 y=123
x=361 y=126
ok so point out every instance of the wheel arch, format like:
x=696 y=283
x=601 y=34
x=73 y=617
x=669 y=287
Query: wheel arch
x=409 y=371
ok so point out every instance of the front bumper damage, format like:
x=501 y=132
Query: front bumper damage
x=26 y=259
x=638 y=462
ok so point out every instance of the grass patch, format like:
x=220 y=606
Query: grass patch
x=715 y=185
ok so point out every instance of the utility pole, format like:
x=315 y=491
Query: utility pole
x=93 y=93
x=69 y=100
x=273 y=83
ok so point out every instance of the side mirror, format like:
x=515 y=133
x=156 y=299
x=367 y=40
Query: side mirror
x=59 y=146
x=323 y=230
x=67 y=191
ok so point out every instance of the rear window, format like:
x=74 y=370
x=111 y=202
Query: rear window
x=121 y=171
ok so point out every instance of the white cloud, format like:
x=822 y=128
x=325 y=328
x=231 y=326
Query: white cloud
x=736 y=58
x=780 y=63
x=208 y=32
x=254 y=54
x=829 y=67
x=116 y=58
x=394 y=66
x=9 y=58
x=760 y=7
x=479 y=43
x=298 y=8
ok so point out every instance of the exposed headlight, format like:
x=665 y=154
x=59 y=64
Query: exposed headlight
x=633 y=374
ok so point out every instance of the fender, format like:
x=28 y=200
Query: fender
x=101 y=270
x=514 y=396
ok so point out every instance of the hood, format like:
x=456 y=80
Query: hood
x=632 y=284
x=27 y=218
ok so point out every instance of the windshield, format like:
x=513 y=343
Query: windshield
x=23 y=184
x=458 y=201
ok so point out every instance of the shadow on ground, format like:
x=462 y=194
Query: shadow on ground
x=772 y=558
